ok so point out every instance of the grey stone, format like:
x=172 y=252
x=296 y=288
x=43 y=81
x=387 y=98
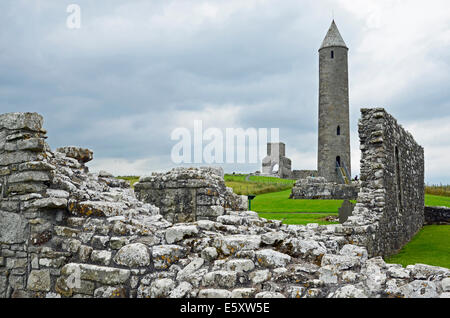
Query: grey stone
x=165 y=255
x=225 y=279
x=161 y=288
x=260 y=276
x=39 y=280
x=82 y=155
x=17 y=121
x=267 y=294
x=181 y=291
x=13 y=228
x=84 y=253
x=419 y=289
x=214 y=293
x=180 y=232
x=101 y=274
x=240 y=265
x=209 y=253
x=345 y=211
x=272 y=259
x=233 y=243
x=110 y=292
x=446 y=284
x=101 y=256
x=133 y=255
x=243 y=293
x=349 y=291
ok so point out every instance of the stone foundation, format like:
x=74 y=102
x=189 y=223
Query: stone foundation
x=320 y=188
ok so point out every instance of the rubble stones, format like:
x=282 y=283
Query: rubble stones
x=82 y=155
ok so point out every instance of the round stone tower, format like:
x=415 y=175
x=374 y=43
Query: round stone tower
x=334 y=127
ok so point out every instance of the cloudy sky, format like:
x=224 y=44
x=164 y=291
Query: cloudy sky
x=135 y=70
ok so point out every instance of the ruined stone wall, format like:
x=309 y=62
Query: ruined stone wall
x=24 y=177
x=188 y=195
x=437 y=215
x=320 y=188
x=303 y=174
x=390 y=209
x=65 y=232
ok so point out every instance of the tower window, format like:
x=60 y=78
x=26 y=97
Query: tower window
x=332 y=54
x=338 y=161
x=338 y=130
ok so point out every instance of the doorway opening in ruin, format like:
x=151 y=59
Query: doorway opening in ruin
x=338 y=161
x=398 y=180
x=275 y=168
x=338 y=130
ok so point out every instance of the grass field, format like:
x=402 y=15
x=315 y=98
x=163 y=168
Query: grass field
x=257 y=185
x=279 y=202
x=272 y=200
x=436 y=200
x=430 y=246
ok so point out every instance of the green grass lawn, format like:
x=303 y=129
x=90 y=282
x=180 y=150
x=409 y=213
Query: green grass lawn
x=279 y=202
x=435 y=200
x=257 y=185
x=430 y=246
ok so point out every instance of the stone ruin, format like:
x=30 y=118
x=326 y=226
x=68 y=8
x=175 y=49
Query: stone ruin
x=188 y=195
x=319 y=188
x=65 y=232
x=276 y=163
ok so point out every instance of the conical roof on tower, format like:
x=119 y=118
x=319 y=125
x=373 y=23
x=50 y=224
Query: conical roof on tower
x=333 y=38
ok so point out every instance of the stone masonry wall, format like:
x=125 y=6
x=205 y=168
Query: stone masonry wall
x=320 y=188
x=390 y=209
x=437 y=215
x=187 y=195
x=303 y=174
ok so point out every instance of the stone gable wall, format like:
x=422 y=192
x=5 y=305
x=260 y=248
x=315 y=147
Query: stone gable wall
x=390 y=209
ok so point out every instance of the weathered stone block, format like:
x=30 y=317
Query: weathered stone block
x=13 y=228
x=133 y=255
x=17 y=121
x=39 y=280
x=178 y=233
x=272 y=259
x=82 y=155
x=165 y=255
x=101 y=274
